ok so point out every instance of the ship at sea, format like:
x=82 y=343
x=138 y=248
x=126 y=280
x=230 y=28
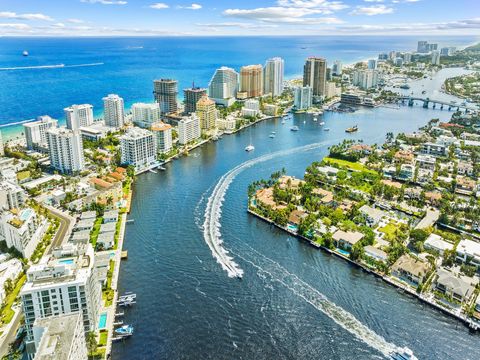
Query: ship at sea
x=25 y=53
x=351 y=129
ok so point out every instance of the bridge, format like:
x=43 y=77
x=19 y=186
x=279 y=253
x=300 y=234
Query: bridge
x=436 y=103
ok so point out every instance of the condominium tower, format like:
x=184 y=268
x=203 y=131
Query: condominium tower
x=189 y=129
x=165 y=92
x=315 y=74
x=66 y=150
x=223 y=86
x=303 y=97
x=36 y=132
x=207 y=113
x=113 y=111
x=191 y=97
x=273 y=76
x=251 y=80
x=144 y=115
x=163 y=135
x=138 y=148
x=78 y=116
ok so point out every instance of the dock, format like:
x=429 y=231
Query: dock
x=124 y=255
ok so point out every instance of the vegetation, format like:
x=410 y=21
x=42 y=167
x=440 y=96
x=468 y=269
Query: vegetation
x=6 y=310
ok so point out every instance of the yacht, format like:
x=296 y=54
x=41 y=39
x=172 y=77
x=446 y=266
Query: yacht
x=294 y=128
x=326 y=129
x=321 y=123
x=249 y=148
x=283 y=121
x=125 y=330
x=315 y=119
x=271 y=136
x=351 y=129
x=403 y=354
x=25 y=53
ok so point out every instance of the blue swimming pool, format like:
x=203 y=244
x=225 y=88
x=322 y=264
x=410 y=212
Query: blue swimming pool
x=293 y=228
x=102 y=321
x=343 y=252
x=66 y=261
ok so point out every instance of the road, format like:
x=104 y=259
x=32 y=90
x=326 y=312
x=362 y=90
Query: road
x=66 y=226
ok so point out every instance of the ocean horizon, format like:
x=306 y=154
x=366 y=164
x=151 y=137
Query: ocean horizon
x=61 y=71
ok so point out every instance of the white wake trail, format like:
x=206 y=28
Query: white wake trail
x=213 y=210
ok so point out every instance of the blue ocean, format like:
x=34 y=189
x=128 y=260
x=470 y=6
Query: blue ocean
x=62 y=71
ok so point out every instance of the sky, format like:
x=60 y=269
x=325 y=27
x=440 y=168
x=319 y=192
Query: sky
x=238 y=17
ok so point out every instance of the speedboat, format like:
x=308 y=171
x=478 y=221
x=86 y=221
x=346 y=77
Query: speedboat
x=249 y=148
x=403 y=354
x=326 y=129
x=25 y=53
x=271 y=136
x=321 y=123
x=315 y=119
x=294 y=128
x=351 y=129
x=125 y=330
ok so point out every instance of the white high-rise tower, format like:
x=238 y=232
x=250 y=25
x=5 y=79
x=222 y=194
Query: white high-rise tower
x=273 y=76
x=113 y=111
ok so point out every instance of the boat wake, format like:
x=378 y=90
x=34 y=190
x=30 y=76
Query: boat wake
x=270 y=269
x=55 y=66
x=213 y=210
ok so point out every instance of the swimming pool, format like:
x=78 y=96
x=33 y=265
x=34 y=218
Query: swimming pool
x=292 y=227
x=66 y=261
x=25 y=214
x=343 y=252
x=102 y=321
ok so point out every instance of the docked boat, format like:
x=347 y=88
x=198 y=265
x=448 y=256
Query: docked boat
x=351 y=129
x=294 y=128
x=326 y=129
x=161 y=168
x=25 y=53
x=321 y=123
x=403 y=354
x=125 y=330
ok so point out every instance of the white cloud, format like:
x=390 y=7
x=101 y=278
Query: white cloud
x=404 y=1
x=13 y=15
x=215 y=26
x=14 y=26
x=375 y=1
x=327 y=7
x=372 y=10
x=191 y=7
x=159 y=6
x=75 y=21
x=105 y=2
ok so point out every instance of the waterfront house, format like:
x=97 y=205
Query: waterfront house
x=326 y=197
x=391 y=183
x=457 y=286
x=426 y=162
x=346 y=239
x=363 y=149
x=389 y=171
x=84 y=225
x=433 y=197
x=406 y=172
x=413 y=193
x=328 y=170
x=375 y=253
x=289 y=182
x=464 y=168
x=403 y=157
x=106 y=240
x=424 y=176
x=437 y=243
x=80 y=237
x=110 y=216
x=372 y=215
x=264 y=197
x=468 y=252
x=108 y=227
x=296 y=216
x=465 y=186
x=434 y=149
x=86 y=215
x=322 y=229
x=412 y=269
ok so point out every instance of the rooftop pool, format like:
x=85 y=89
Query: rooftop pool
x=102 y=321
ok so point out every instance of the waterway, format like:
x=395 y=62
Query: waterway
x=294 y=301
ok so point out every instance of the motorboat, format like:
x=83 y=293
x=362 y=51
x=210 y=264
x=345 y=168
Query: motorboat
x=351 y=129
x=283 y=121
x=124 y=330
x=294 y=128
x=321 y=123
x=326 y=129
x=249 y=148
x=403 y=354
x=315 y=119
x=271 y=136
x=25 y=53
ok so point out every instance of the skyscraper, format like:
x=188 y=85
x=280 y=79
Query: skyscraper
x=163 y=134
x=337 y=68
x=303 y=97
x=223 y=86
x=36 y=132
x=407 y=57
x=113 y=111
x=144 y=115
x=273 y=76
x=78 y=116
x=191 y=97
x=315 y=75
x=372 y=64
x=365 y=79
x=435 y=57
x=66 y=150
x=422 y=46
x=165 y=92
x=251 y=80
x=189 y=129
x=207 y=113
x=138 y=148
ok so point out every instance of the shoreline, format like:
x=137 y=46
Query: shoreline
x=470 y=323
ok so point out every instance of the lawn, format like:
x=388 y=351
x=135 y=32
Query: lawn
x=7 y=312
x=353 y=166
x=107 y=292
x=22 y=175
x=96 y=231
x=102 y=341
x=389 y=230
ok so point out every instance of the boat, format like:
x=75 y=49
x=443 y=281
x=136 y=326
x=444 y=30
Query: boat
x=130 y=221
x=315 y=119
x=326 y=129
x=424 y=92
x=294 y=128
x=124 y=330
x=249 y=148
x=271 y=136
x=273 y=132
x=321 y=123
x=25 y=53
x=403 y=354
x=162 y=168
x=351 y=129
x=405 y=86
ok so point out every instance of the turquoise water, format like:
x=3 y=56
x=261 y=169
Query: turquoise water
x=102 y=321
x=127 y=66
x=66 y=261
x=292 y=227
x=343 y=252
x=24 y=215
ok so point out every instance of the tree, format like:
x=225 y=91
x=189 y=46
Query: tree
x=91 y=343
x=418 y=235
x=357 y=251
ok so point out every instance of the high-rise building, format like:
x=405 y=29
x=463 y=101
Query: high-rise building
x=60 y=337
x=337 y=68
x=407 y=57
x=144 y=115
x=365 y=79
x=36 y=132
x=372 y=64
x=315 y=75
x=392 y=55
x=223 y=86
x=191 y=97
x=163 y=135
x=447 y=51
x=273 y=76
x=251 y=108
x=435 y=57
x=165 y=92
x=422 y=46
x=303 y=97
x=59 y=286
x=383 y=56
x=332 y=90
x=189 y=129
x=207 y=113
x=432 y=47
x=138 y=148
x=66 y=150
x=78 y=116
x=11 y=196
x=398 y=61
x=113 y=111
x=251 y=80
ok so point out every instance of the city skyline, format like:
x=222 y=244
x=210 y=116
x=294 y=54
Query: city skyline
x=208 y=17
